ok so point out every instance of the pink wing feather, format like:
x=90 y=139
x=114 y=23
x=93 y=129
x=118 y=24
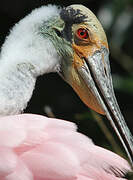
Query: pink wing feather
x=34 y=147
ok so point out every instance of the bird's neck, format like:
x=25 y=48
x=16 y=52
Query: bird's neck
x=25 y=55
x=16 y=87
x=19 y=68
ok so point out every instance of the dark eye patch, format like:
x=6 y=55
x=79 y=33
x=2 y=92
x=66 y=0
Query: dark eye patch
x=71 y=16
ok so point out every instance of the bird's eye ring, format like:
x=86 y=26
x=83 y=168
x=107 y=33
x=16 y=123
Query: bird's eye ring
x=82 y=33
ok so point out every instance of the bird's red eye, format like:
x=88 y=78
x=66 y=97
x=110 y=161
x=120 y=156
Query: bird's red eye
x=82 y=33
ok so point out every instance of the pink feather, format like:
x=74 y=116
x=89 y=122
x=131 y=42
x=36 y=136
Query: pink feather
x=34 y=147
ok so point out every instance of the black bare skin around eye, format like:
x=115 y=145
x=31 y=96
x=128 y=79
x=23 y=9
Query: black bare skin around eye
x=71 y=16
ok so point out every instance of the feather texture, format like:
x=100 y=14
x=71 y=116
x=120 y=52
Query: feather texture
x=34 y=147
x=25 y=55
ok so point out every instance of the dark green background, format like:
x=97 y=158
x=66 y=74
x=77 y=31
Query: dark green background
x=117 y=19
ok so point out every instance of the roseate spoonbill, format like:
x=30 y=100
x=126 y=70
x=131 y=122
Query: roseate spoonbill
x=34 y=147
x=71 y=42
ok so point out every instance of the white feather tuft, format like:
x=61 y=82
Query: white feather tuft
x=24 y=44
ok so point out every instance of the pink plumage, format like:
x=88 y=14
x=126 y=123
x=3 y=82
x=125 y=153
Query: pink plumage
x=34 y=147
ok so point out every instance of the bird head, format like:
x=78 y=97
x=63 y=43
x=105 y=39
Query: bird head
x=80 y=41
x=81 y=44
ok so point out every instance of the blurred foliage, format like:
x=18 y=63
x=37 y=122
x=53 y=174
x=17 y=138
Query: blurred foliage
x=116 y=17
